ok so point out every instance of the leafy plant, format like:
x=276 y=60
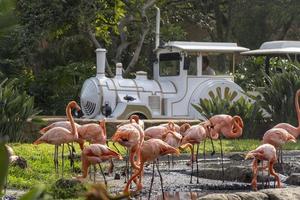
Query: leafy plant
x=277 y=96
x=53 y=89
x=249 y=110
x=15 y=108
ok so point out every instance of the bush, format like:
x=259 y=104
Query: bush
x=251 y=74
x=67 y=188
x=246 y=108
x=15 y=108
x=278 y=94
x=53 y=89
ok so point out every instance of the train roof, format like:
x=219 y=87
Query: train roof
x=276 y=47
x=213 y=47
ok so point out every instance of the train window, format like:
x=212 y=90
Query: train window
x=169 y=64
x=191 y=62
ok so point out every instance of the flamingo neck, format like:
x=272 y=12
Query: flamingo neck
x=70 y=118
x=237 y=132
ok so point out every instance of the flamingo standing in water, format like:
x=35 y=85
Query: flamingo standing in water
x=150 y=150
x=173 y=139
x=95 y=154
x=194 y=135
x=295 y=131
x=263 y=152
x=278 y=137
x=228 y=126
x=60 y=135
x=131 y=136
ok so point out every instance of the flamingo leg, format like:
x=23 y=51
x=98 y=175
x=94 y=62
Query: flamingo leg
x=191 y=181
x=161 y=181
x=272 y=172
x=262 y=173
x=213 y=147
x=126 y=167
x=56 y=158
x=111 y=166
x=222 y=159
x=152 y=179
x=71 y=157
x=197 y=163
x=95 y=171
x=172 y=157
x=103 y=174
x=169 y=162
x=62 y=160
x=268 y=181
x=254 y=170
x=281 y=160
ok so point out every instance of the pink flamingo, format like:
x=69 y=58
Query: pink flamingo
x=228 y=126
x=263 y=152
x=150 y=150
x=194 y=135
x=278 y=137
x=158 y=131
x=173 y=139
x=60 y=135
x=95 y=154
x=131 y=136
x=295 y=131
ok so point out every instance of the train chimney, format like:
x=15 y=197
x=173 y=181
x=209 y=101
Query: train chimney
x=157 y=27
x=119 y=70
x=101 y=56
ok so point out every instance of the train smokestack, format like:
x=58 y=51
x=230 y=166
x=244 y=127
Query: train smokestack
x=157 y=30
x=101 y=56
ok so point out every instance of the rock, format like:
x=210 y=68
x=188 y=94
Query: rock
x=220 y=197
x=8 y=197
x=252 y=196
x=18 y=161
x=237 y=156
x=293 y=179
x=268 y=194
x=117 y=176
x=279 y=194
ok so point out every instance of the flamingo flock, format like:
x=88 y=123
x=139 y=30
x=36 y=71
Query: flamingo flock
x=147 y=146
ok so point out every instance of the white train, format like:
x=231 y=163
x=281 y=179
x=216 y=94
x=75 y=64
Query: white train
x=177 y=83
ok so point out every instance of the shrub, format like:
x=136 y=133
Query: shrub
x=53 y=89
x=15 y=108
x=278 y=94
x=246 y=108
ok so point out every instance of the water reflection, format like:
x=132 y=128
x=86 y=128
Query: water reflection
x=178 y=196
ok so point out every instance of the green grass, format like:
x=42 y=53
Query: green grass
x=41 y=168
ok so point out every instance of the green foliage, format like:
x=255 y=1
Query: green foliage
x=65 y=189
x=278 y=96
x=53 y=89
x=246 y=108
x=41 y=168
x=4 y=162
x=250 y=73
x=16 y=108
x=35 y=193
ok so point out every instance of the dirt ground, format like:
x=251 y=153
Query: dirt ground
x=176 y=178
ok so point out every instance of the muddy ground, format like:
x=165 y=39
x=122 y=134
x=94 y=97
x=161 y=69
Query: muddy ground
x=176 y=178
